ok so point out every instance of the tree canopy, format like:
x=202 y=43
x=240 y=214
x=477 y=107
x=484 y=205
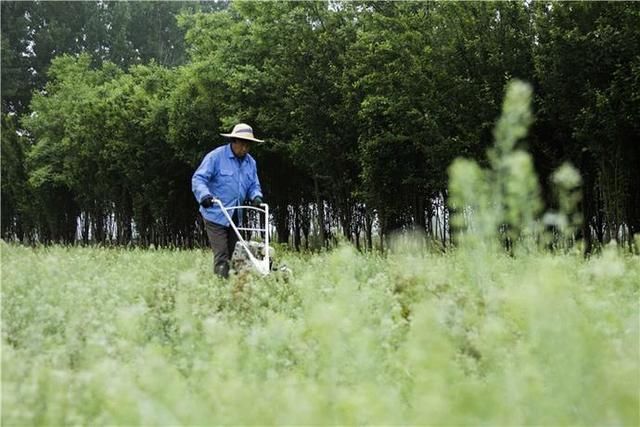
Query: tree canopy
x=108 y=107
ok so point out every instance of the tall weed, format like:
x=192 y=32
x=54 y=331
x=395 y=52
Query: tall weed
x=129 y=337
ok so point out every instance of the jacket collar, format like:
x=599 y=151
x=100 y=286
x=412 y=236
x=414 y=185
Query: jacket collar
x=230 y=154
x=229 y=151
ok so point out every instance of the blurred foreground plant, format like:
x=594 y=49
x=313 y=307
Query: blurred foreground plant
x=96 y=336
x=502 y=203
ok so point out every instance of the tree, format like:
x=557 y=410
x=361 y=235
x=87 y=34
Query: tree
x=588 y=71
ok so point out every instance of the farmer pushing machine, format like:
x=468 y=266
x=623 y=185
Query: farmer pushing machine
x=226 y=178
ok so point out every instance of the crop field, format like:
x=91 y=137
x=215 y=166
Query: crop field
x=499 y=219
x=97 y=336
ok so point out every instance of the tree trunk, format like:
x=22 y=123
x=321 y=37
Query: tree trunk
x=368 y=226
x=281 y=214
x=320 y=207
x=297 y=218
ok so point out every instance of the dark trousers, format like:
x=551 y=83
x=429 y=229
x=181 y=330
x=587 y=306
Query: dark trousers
x=223 y=241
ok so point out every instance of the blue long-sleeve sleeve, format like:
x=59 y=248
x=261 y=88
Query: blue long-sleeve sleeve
x=201 y=178
x=255 y=190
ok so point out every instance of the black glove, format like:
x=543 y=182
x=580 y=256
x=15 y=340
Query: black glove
x=257 y=201
x=207 y=201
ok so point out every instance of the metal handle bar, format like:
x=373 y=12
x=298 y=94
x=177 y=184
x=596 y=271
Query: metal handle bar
x=242 y=207
x=229 y=208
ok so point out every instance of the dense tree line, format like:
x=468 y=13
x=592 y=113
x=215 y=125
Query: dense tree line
x=108 y=107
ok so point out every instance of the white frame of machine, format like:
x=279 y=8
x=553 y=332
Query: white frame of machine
x=262 y=266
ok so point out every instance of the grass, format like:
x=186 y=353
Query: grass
x=128 y=337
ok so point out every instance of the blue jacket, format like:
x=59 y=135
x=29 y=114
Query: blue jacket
x=228 y=178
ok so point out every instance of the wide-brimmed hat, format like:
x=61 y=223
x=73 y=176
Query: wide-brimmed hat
x=242 y=131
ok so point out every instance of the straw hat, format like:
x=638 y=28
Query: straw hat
x=242 y=131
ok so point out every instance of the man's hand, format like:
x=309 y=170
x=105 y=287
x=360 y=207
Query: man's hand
x=257 y=201
x=207 y=201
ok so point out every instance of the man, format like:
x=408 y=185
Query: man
x=228 y=174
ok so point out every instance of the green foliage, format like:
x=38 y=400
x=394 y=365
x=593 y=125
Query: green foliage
x=470 y=198
x=109 y=149
x=15 y=196
x=106 y=336
x=507 y=195
x=567 y=183
x=363 y=105
x=587 y=64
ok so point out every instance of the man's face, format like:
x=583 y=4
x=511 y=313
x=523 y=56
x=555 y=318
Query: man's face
x=240 y=147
